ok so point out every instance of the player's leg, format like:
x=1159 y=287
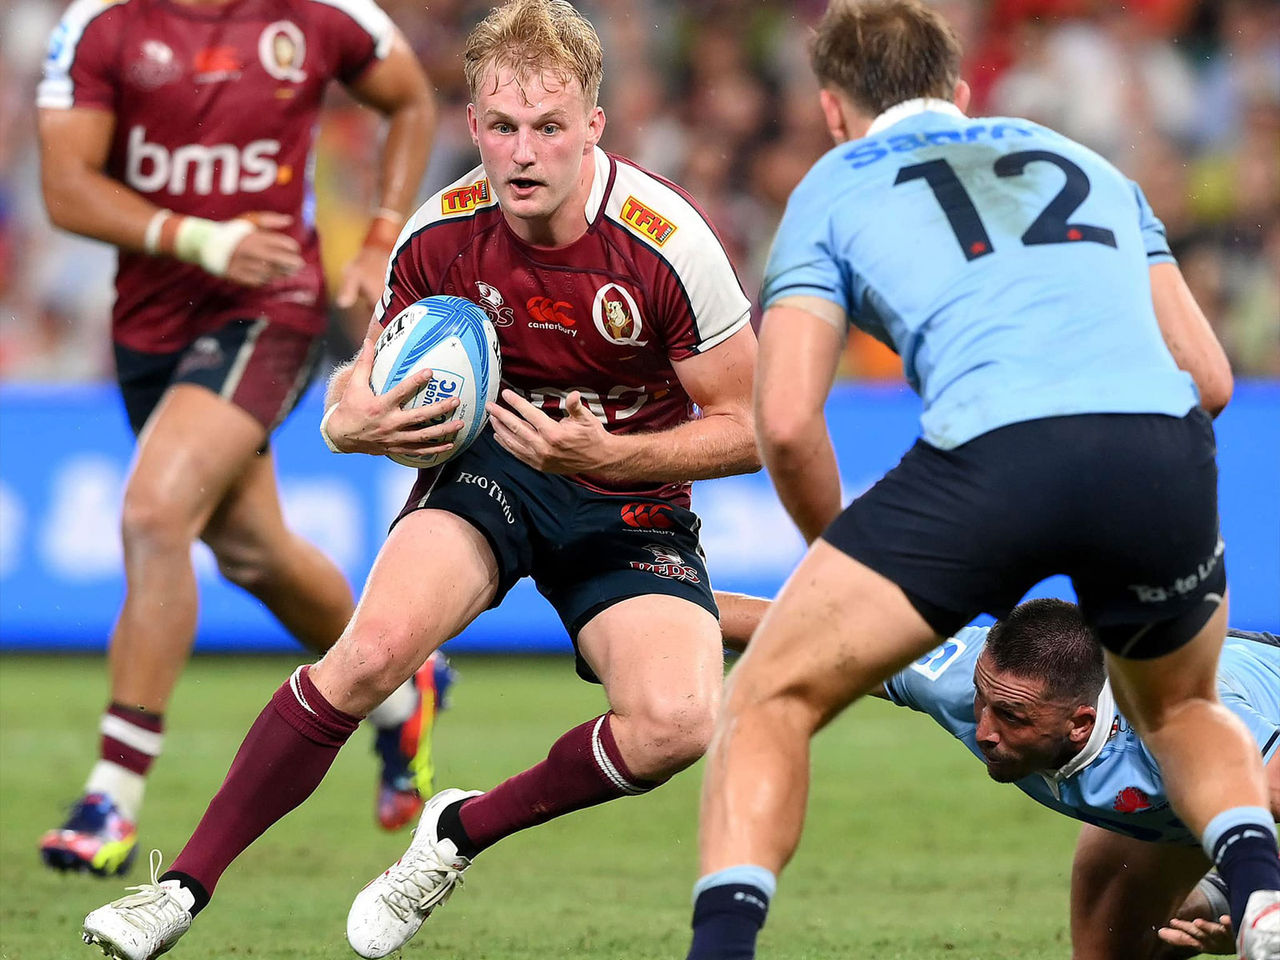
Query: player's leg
x=193 y=448
x=1123 y=890
x=434 y=574
x=836 y=629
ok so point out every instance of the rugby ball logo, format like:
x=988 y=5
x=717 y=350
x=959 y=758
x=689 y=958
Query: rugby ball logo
x=455 y=339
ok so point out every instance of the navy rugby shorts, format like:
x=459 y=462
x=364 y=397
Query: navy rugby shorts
x=261 y=367
x=1124 y=504
x=585 y=550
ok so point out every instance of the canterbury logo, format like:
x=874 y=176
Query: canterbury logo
x=648 y=516
x=546 y=310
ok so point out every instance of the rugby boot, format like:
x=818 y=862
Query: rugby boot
x=96 y=837
x=393 y=906
x=142 y=925
x=1260 y=930
x=408 y=767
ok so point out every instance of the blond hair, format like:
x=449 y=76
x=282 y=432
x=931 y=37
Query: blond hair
x=882 y=52
x=532 y=36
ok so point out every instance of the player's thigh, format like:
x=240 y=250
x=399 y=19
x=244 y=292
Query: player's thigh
x=658 y=656
x=835 y=631
x=1123 y=889
x=434 y=574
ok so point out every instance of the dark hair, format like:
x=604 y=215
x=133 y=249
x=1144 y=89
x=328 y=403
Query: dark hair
x=882 y=52
x=1048 y=640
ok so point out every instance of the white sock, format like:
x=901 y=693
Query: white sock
x=397 y=708
x=123 y=786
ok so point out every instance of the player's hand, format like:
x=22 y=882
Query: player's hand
x=266 y=255
x=364 y=422
x=1200 y=934
x=362 y=279
x=577 y=444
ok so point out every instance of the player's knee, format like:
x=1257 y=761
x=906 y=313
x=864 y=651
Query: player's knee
x=153 y=522
x=672 y=734
x=248 y=566
x=376 y=658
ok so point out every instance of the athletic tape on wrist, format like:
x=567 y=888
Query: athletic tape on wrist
x=324 y=430
x=151 y=239
x=210 y=243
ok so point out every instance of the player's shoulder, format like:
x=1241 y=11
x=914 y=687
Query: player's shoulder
x=366 y=13
x=78 y=16
x=658 y=214
x=453 y=209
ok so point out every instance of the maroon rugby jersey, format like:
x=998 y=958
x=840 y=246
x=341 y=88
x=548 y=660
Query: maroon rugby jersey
x=648 y=283
x=215 y=110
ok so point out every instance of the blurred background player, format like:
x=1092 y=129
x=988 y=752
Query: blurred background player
x=1030 y=698
x=1059 y=436
x=180 y=133
x=649 y=320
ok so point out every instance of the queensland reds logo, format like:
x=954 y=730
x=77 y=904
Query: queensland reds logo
x=667 y=564
x=648 y=516
x=157 y=66
x=494 y=305
x=282 y=48
x=617 y=316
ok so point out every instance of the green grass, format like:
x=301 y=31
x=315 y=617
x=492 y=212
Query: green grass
x=910 y=852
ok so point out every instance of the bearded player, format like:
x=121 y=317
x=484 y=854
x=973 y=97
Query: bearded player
x=181 y=134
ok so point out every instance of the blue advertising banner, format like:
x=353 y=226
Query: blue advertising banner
x=64 y=455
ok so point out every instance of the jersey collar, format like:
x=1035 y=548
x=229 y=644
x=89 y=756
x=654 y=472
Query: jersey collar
x=909 y=108
x=599 y=185
x=1103 y=724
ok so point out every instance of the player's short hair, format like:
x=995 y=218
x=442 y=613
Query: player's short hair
x=882 y=52
x=530 y=36
x=1049 y=640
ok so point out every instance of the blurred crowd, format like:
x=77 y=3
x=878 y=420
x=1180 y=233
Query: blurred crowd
x=1183 y=95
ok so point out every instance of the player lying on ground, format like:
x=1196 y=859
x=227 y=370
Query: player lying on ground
x=582 y=483
x=1029 y=697
x=180 y=134
x=1068 y=378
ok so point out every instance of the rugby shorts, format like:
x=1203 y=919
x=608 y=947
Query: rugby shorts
x=261 y=367
x=1126 y=505
x=584 y=549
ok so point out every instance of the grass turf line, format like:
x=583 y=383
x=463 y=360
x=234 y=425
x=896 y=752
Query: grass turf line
x=910 y=853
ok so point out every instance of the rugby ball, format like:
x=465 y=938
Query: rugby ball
x=455 y=340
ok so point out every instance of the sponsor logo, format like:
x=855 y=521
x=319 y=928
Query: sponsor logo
x=281 y=49
x=1131 y=800
x=934 y=663
x=617 y=316
x=156 y=66
x=443 y=385
x=1184 y=585
x=202 y=169
x=666 y=564
x=462 y=199
x=204 y=354
x=548 y=314
x=493 y=303
x=648 y=516
x=214 y=64
x=553 y=399
x=492 y=488
x=647 y=221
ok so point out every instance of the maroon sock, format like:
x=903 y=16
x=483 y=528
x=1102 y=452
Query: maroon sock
x=285 y=755
x=131 y=737
x=583 y=768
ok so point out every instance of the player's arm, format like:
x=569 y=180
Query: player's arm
x=800 y=344
x=740 y=614
x=1189 y=336
x=718 y=444
x=82 y=198
x=397 y=88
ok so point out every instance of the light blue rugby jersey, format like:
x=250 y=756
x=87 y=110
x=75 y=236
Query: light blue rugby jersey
x=1006 y=264
x=1114 y=782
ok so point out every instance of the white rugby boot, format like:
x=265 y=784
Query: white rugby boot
x=392 y=907
x=142 y=925
x=1260 y=931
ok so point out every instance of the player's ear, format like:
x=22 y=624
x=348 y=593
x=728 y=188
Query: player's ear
x=473 y=123
x=1082 y=723
x=962 y=96
x=595 y=125
x=833 y=113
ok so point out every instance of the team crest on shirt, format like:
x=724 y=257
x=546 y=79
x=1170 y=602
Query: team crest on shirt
x=282 y=48
x=1131 y=800
x=647 y=221
x=617 y=316
x=155 y=66
x=493 y=304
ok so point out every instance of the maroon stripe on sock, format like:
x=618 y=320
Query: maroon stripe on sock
x=153 y=722
x=126 y=756
x=285 y=755
x=571 y=778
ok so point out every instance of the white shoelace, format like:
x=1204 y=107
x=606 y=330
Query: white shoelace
x=420 y=881
x=153 y=909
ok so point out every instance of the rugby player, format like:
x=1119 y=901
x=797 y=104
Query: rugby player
x=618 y=313
x=1068 y=380
x=181 y=133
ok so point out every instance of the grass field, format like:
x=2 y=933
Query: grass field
x=910 y=853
